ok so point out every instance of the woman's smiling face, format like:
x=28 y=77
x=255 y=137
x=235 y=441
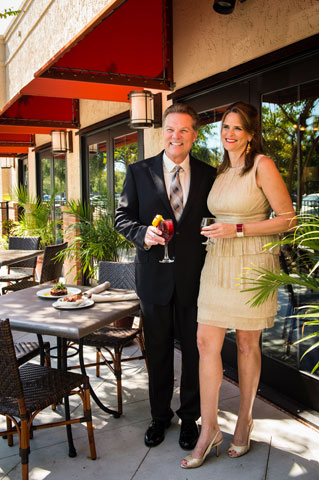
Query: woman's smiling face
x=234 y=137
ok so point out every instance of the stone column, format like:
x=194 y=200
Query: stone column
x=72 y=267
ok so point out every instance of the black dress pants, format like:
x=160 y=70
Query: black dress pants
x=158 y=322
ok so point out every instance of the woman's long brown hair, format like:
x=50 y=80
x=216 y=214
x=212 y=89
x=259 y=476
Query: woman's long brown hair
x=250 y=122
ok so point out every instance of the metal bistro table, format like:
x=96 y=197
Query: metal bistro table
x=8 y=257
x=30 y=313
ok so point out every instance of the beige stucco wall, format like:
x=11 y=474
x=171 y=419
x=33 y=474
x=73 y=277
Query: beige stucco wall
x=39 y=32
x=206 y=43
x=2 y=72
x=6 y=181
x=92 y=111
x=73 y=170
x=32 y=172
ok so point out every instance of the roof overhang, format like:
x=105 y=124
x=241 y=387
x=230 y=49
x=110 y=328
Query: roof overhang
x=127 y=46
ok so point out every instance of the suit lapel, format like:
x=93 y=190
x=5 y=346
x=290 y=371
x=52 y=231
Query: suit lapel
x=157 y=174
x=194 y=187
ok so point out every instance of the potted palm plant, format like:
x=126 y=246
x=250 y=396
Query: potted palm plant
x=96 y=238
x=305 y=241
x=35 y=217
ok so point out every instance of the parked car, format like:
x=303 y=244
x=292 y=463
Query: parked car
x=310 y=204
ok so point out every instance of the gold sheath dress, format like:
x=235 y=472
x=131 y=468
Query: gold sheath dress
x=236 y=199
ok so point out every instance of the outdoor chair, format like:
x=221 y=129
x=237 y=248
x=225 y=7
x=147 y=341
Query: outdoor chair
x=26 y=391
x=51 y=269
x=25 y=351
x=111 y=339
x=19 y=273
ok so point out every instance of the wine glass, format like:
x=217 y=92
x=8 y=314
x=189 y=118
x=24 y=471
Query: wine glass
x=167 y=228
x=206 y=221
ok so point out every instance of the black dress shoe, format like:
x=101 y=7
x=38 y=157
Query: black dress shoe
x=155 y=433
x=189 y=434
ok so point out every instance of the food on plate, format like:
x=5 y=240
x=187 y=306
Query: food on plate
x=73 y=298
x=156 y=220
x=58 y=290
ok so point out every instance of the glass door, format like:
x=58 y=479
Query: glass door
x=98 y=197
x=52 y=185
x=107 y=155
x=125 y=148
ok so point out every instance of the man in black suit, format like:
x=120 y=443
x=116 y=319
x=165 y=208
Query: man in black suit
x=168 y=291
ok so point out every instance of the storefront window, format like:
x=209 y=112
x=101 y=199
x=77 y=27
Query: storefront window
x=208 y=145
x=290 y=133
x=125 y=153
x=107 y=155
x=290 y=137
x=98 y=175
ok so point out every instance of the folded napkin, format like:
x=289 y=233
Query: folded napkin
x=113 y=297
x=98 y=289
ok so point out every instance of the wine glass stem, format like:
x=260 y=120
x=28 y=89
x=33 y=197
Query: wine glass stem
x=166 y=252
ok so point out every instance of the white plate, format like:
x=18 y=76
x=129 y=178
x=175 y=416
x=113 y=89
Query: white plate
x=45 y=293
x=87 y=302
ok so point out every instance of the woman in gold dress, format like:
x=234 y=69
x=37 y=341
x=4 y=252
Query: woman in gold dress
x=248 y=186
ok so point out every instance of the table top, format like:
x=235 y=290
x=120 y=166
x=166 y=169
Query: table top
x=7 y=257
x=31 y=313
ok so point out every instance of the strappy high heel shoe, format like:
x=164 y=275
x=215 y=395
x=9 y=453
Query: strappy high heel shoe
x=240 y=450
x=191 y=462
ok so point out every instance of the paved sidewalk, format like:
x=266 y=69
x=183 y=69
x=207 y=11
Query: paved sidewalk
x=281 y=448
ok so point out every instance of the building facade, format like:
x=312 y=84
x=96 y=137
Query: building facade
x=71 y=65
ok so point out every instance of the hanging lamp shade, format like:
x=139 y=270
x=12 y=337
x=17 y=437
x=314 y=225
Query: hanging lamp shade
x=142 y=115
x=59 y=141
x=7 y=162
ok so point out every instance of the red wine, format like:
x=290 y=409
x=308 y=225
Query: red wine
x=167 y=228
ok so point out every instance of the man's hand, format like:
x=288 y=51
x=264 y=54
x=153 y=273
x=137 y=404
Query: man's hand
x=153 y=237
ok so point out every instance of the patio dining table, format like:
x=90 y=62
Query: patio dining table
x=29 y=312
x=9 y=257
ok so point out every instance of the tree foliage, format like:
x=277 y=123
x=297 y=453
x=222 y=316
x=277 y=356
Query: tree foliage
x=288 y=127
x=9 y=12
x=200 y=149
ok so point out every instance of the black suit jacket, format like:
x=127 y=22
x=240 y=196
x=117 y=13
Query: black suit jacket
x=144 y=196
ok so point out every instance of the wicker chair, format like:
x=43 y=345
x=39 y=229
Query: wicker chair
x=27 y=390
x=51 y=269
x=25 y=351
x=113 y=339
x=18 y=274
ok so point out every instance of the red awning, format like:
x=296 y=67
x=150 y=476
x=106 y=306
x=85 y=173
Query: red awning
x=12 y=151
x=28 y=110
x=15 y=144
x=128 y=44
x=16 y=140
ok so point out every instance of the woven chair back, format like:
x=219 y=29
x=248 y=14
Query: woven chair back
x=10 y=383
x=51 y=268
x=24 y=243
x=119 y=274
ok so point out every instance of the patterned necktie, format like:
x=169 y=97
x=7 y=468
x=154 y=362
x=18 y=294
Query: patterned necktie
x=176 y=194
